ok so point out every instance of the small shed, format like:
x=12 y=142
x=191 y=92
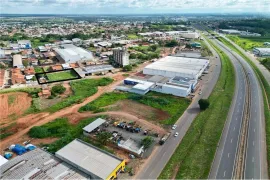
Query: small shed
x=92 y=126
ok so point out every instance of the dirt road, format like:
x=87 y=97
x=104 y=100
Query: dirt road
x=45 y=117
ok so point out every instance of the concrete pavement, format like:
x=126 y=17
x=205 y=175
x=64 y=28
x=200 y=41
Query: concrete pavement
x=256 y=165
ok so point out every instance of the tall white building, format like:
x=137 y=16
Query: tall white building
x=121 y=56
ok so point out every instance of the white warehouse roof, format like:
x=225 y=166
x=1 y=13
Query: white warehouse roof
x=71 y=54
x=89 y=158
x=171 y=66
x=17 y=61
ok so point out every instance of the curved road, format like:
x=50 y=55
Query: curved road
x=255 y=162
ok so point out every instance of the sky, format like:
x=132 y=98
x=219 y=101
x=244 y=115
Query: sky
x=132 y=6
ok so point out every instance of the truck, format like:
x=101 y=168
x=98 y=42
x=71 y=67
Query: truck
x=164 y=138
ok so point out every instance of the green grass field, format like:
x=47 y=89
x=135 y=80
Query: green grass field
x=248 y=43
x=193 y=157
x=132 y=36
x=62 y=75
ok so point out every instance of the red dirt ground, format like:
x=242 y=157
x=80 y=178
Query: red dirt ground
x=22 y=101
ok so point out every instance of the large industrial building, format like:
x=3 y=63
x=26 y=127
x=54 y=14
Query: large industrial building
x=121 y=56
x=184 y=34
x=17 y=61
x=98 y=164
x=68 y=53
x=171 y=66
x=38 y=164
x=262 y=52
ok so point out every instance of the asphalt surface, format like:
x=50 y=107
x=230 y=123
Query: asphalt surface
x=157 y=161
x=256 y=165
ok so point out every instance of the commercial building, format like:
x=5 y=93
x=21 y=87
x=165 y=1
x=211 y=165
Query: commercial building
x=97 y=69
x=24 y=44
x=68 y=53
x=229 y=31
x=17 y=61
x=135 y=86
x=262 y=52
x=171 y=66
x=38 y=164
x=98 y=164
x=121 y=56
x=131 y=146
x=184 y=34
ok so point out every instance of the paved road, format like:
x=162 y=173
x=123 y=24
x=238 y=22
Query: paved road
x=157 y=161
x=256 y=165
x=262 y=68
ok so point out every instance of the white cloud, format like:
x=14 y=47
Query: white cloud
x=148 y=5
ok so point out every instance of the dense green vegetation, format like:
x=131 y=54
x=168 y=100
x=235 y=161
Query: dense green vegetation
x=5 y=131
x=248 y=43
x=261 y=25
x=266 y=63
x=266 y=95
x=193 y=157
x=132 y=36
x=205 y=51
x=62 y=129
x=38 y=69
x=62 y=75
x=58 y=89
x=145 y=52
x=175 y=106
x=81 y=89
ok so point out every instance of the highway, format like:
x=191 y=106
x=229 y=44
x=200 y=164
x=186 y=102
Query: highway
x=156 y=162
x=255 y=167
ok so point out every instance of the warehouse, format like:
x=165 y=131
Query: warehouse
x=97 y=69
x=38 y=164
x=177 y=66
x=17 y=61
x=262 y=52
x=98 y=164
x=68 y=53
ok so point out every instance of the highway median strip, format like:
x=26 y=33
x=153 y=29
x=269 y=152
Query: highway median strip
x=196 y=152
x=266 y=95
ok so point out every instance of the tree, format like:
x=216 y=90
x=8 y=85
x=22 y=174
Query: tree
x=204 y=104
x=147 y=141
x=103 y=137
x=171 y=43
x=25 y=63
x=58 y=89
x=127 y=68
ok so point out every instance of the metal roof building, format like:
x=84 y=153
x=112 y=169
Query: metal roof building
x=17 y=61
x=72 y=54
x=171 y=66
x=262 y=52
x=38 y=164
x=95 y=162
x=90 y=127
x=89 y=70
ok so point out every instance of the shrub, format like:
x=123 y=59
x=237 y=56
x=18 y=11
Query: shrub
x=204 y=104
x=147 y=141
x=58 y=89
x=127 y=68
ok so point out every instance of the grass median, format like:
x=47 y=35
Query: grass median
x=266 y=94
x=193 y=157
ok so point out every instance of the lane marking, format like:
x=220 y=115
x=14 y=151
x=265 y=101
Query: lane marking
x=231 y=140
x=253 y=143
x=228 y=155
x=254 y=129
x=253 y=159
x=234 y=128
x=224 y=174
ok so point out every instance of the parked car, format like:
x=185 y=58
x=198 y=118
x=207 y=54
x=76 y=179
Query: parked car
x=174 y=127
x=176 y=134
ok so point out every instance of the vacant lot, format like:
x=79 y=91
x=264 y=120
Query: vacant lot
x=139 y=110
x=13 y=104
x=62 y=75
x=173 y=106
x=248 y=43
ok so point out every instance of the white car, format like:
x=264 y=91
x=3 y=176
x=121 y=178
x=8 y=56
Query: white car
x=176 y=134
x=174 y=127
x=200 y=92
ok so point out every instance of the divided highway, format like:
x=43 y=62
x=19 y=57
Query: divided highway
x=255 y=166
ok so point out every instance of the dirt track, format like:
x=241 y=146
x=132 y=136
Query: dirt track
x=27 y=122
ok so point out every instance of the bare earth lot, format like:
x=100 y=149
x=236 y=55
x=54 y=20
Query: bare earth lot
x=13 y=104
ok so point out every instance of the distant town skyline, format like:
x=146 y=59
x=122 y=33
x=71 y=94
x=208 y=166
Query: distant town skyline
x=132 y=6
